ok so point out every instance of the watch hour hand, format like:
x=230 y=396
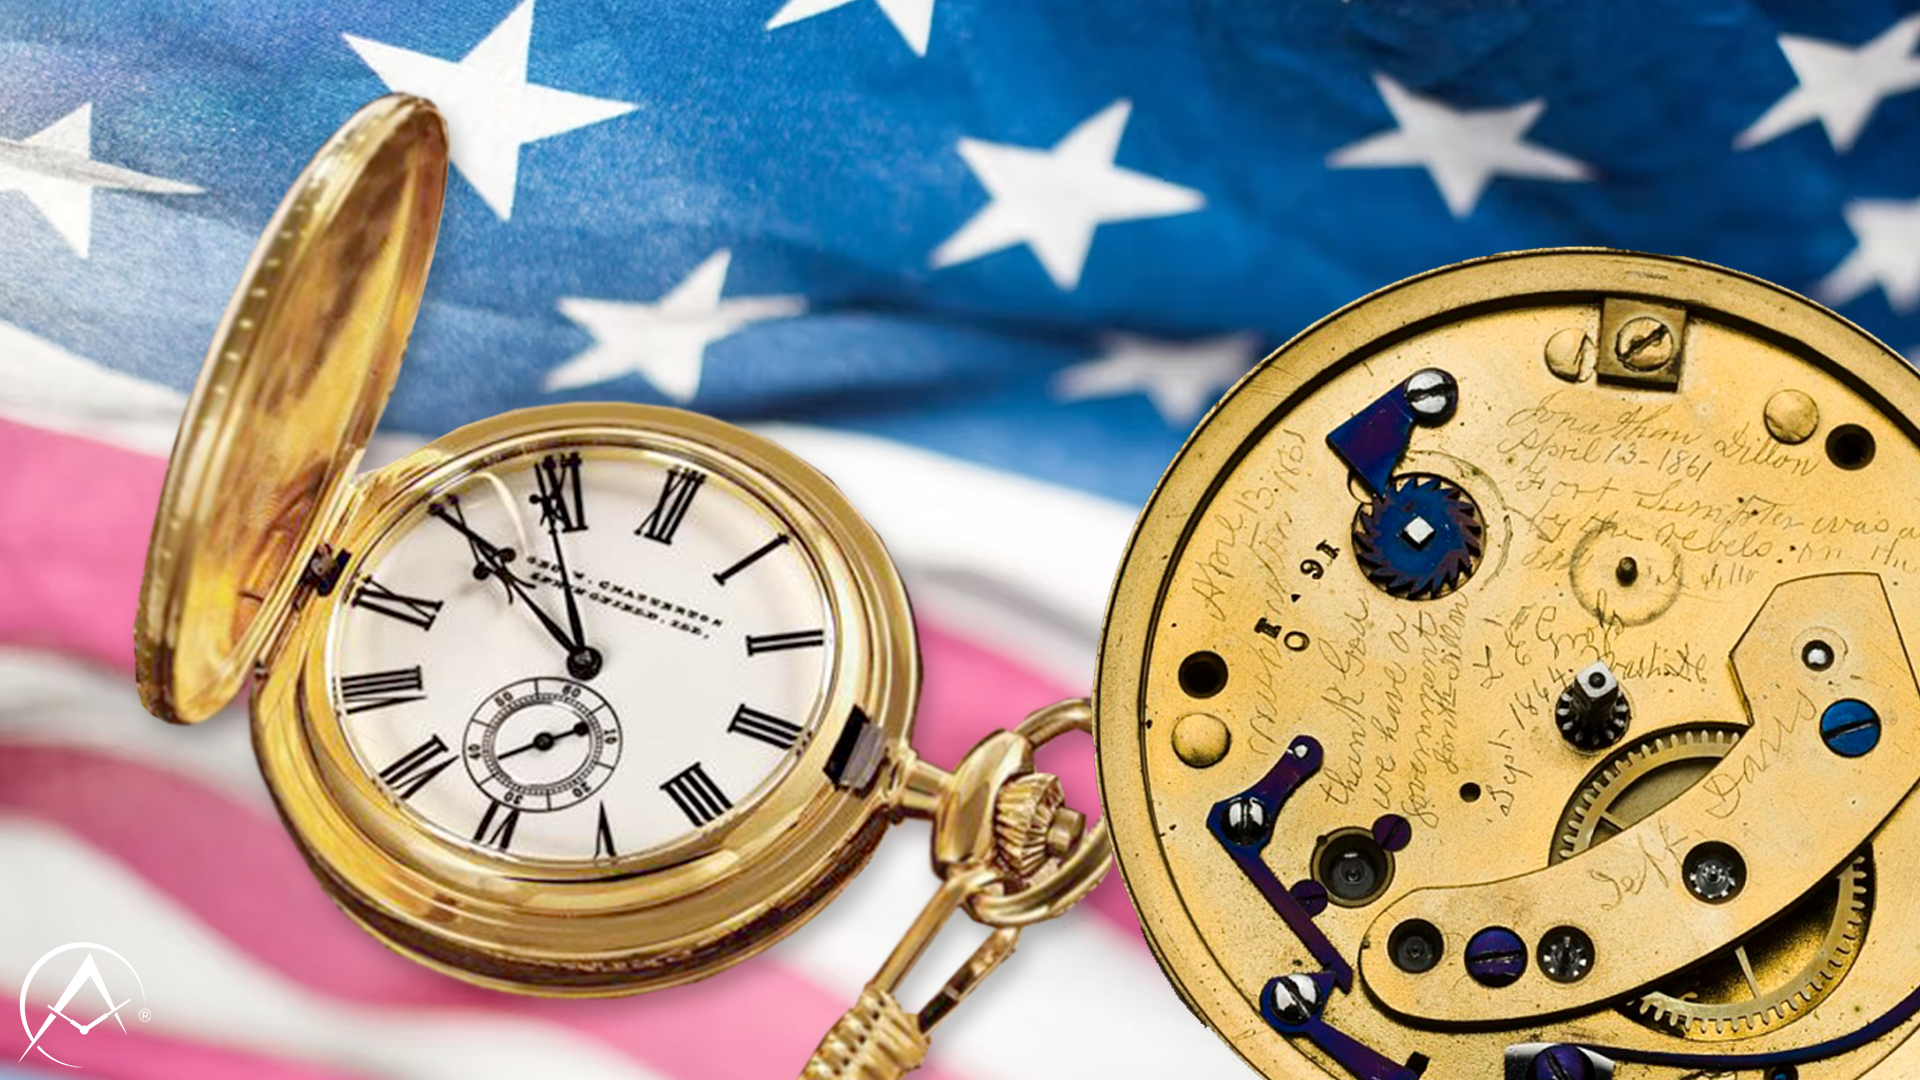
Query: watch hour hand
x=489 y=560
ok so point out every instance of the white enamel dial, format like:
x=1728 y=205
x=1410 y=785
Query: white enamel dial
x=679 y=686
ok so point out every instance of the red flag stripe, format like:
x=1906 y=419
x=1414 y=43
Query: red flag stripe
x=240 y=874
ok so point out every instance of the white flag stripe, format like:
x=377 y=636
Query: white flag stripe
x=987 y=611
x=1045 y=553
x=55 y=701
x=46 y=386
x=1052 y=548
x=198 y=987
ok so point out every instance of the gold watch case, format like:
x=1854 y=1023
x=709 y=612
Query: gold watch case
x=261 y=511
x=1665 y=474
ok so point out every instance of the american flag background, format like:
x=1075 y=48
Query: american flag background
x=984 y=263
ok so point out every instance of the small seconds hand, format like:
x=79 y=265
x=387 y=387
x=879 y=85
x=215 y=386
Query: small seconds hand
x=545 y=740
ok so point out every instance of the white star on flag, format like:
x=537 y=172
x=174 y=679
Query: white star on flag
x=55 y=170
x=666 y=340
x=1462 y=149
x=1053 y=200
x=913 y=18
x=1180 y=377
x=1840 y=86
x=491 y=108
x=1888 y=255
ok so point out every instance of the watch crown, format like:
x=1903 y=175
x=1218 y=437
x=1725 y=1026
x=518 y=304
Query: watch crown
x=1032 y=824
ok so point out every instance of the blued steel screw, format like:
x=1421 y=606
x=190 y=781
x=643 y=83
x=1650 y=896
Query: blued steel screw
x=1295 y=998
x=1392 y=832
x=1433 y=394
x=1561 y=1063
x=1247 y=820
x=1850 y=727
x=1496 y=957
x=1310 y=895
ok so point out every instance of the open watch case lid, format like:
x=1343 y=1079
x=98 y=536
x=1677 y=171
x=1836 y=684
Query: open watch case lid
x=290 y=392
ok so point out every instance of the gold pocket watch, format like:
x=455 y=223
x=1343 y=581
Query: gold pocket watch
x=1509 y=681
x=578 y=700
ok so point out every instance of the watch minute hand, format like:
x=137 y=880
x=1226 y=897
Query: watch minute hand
x=583 y=661
x=513 y=584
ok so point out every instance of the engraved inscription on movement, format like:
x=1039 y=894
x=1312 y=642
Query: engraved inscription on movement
x=1248 y=556
x=1658 y=468
x=1398 y=740
x=1546 y=437
x=1254 y=518
x=1438 y=710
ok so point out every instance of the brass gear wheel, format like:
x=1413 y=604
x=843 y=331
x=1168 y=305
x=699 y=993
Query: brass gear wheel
x=1772 y=976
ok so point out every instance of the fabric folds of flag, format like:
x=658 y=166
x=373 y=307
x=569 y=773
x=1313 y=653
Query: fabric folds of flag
x=983 y=264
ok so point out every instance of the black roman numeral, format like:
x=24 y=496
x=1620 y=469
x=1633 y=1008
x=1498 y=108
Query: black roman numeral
x=497 y=835
x=758 y=553
x=416 y=767
x=560 y=498
x=793 y=639
x=603 y=838
x=771 y=730
x=380 y=689
x=415 y=610
x=696 y=794
x=671 y=509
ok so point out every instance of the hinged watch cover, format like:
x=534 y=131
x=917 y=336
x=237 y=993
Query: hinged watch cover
x=291 y=390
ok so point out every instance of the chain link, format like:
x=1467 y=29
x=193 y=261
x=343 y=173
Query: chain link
x=1010 y=854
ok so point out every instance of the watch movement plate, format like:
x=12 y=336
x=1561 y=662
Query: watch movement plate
x=1509 y=679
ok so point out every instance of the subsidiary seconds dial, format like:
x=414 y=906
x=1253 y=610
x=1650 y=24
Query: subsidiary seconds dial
x=621 y=648
x=542 y=744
